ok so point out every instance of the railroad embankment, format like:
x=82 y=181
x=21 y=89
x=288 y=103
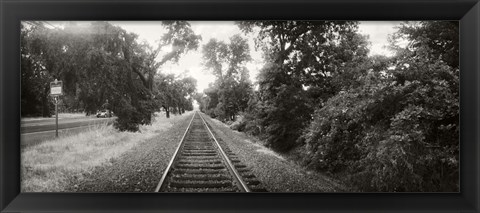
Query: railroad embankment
x=276 y=171
x=62 y=164
x=105 y=160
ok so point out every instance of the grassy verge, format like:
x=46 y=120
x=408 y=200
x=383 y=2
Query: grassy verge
x=47 y=167
x=279 y=172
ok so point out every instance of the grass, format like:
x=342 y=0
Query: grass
x=60 y=116
x=276 y=171
x=46 y=167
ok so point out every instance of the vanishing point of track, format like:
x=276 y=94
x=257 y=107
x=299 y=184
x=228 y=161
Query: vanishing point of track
x=201 y=164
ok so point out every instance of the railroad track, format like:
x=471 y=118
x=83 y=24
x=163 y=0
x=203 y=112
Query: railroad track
x=201 y=164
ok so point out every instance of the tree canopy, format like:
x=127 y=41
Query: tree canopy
x=99 y=63
x=230 y=92
x=380 y=123
x=306 y=63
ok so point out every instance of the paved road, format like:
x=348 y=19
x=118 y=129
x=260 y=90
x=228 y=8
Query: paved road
x=34 y=131
x=48 y=124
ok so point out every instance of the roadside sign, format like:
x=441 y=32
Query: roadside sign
x=56 y=88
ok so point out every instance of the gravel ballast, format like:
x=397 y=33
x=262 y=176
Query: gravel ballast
x=140 y=169
x=275 y=171
x=137 y=170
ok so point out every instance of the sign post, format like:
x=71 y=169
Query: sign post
x=56 y=116
x=55 y=91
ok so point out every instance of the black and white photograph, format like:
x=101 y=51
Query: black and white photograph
x=240 y=106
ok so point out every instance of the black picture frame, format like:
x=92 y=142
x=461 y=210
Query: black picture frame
x=13 y=11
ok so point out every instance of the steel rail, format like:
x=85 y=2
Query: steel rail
x=242 y=185
x=170 y=164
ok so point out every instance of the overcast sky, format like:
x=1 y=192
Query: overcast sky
x=151 y=32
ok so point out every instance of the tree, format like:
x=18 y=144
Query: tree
x=186 y=89
x=305 y=64
x=229 y=94
x=174 y=94
x=35 y=77
x=441 y=38
x=101 y=62
x=398 y=130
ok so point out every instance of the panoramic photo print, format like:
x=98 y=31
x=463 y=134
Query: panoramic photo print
x=240 y=106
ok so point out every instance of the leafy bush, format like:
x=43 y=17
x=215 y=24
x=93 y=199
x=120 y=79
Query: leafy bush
x=279 y=111
x=398 y=132
x=239 y=123
x=133 y=112
x=251 y=117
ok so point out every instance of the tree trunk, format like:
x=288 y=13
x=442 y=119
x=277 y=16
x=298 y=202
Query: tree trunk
x=45 y=102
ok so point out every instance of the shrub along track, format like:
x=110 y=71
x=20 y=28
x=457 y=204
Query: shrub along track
x=200 y=164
